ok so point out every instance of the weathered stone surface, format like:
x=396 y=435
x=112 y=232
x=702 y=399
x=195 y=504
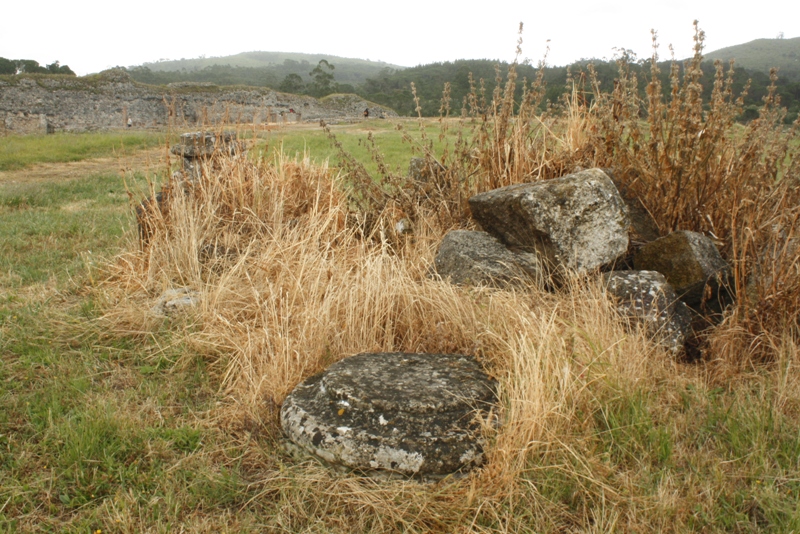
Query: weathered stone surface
x=174 y=301
x=409 y=414
x=643 y=227
x=39 y=103
x=476 y=258
x=689 y=261
x=578 y=221
x=645 y=298
x=204 y=144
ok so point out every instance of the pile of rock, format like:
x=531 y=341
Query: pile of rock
x=197 y=150
x=418 y=414
x=580 y=223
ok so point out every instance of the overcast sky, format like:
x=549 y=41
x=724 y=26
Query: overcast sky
x=92 y=35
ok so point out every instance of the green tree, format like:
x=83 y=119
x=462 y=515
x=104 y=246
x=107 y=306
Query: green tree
x=7 y=66
x=29 y=66
x=57 y=68
x=324 y=83
x=292 y=83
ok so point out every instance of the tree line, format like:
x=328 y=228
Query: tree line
x=29 y=66
x=392 y=88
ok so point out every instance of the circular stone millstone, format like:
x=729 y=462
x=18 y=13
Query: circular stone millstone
x=413 y=414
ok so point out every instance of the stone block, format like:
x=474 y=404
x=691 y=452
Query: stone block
x=476 y=258
x=578 y=221
x=690 y=262
x=176 y=301
x=393 y=413
x=205 y=144
x=646 y=298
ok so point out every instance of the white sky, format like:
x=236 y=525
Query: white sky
x=92 y=35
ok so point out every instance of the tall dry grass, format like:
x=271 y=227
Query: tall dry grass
x=288 y=287
x=694 y=168
x=690 y=164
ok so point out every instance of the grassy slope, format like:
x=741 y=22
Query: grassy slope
x=127 y=434
x=265 y=59
x=763 y=54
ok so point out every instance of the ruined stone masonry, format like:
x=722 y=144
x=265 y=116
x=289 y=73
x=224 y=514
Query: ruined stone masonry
x=105 y=101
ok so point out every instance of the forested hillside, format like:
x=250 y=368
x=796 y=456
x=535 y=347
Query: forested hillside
x=260 y=69
x=393 y=88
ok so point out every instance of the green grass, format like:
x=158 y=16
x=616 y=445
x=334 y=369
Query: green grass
x=52 y=229
x=86 y=427
x=396 y=151
x=19 y=152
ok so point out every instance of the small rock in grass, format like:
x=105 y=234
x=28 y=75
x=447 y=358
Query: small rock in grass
x=175 y=301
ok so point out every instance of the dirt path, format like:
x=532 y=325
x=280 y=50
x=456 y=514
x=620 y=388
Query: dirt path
x=49 y=172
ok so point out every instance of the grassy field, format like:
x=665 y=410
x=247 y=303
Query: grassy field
x=112 y=420
x=395 y=150
x=19 y=152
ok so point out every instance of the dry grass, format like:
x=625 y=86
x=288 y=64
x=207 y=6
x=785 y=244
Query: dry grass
x=289 y=287
x=694 y=168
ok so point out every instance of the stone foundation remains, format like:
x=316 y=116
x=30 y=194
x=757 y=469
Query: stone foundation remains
x=50 y=103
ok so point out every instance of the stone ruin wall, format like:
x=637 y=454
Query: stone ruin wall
x=47 y=104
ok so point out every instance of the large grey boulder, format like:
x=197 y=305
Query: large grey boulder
x=578 y=221
x=645 y=298
x=401 y=413
x=690 y=262
x=476 y=258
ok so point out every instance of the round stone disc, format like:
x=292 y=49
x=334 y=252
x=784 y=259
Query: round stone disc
x=413 y=414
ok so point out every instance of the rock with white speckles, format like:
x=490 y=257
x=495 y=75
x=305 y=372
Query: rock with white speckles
x=402 y=413
x=645 y=298
x=578 y=221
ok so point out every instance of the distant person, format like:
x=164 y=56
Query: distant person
x=130 y=122
x=366 y=113
x=291 y=110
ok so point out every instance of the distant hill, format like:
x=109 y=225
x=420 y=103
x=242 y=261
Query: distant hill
x=762 y=54
x=257 y=68
x=390 y=85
